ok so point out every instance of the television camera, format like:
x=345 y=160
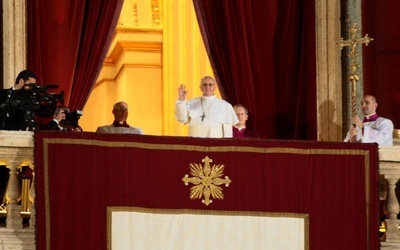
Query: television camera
x=19 y=107
x=32 y=96
x=71 y=119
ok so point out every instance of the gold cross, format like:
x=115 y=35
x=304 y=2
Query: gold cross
x=353 y=78
x=353 y=42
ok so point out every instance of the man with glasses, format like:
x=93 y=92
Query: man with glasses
x=207 y=116
x=120 y=112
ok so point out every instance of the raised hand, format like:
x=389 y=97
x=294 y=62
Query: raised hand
x=182 y=92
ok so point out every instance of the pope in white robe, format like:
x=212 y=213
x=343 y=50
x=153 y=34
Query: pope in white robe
x=207 y=116
x=372 y=128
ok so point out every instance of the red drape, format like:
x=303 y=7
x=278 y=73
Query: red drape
x=79 y=175
x=263 y=56
x=68 y=41
x=381 y=59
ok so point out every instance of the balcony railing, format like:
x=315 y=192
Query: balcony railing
x=389 y=169
x=16 y=154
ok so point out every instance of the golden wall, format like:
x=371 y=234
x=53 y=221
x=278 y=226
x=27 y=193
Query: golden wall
x=157 y=46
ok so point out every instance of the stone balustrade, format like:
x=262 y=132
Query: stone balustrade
x=389 y=169
x=16 y=151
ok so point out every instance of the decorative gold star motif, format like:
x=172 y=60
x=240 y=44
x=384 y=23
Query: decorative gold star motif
x=206 y=181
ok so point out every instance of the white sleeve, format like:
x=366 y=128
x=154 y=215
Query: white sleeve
x=359 y=135
x=233 y=115
x=181 y=113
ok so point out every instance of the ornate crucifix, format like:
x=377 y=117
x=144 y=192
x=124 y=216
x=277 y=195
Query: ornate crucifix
x=353 y=77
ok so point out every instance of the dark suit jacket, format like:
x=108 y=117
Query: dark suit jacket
x=13 y=110
x=19 y=107
x=51 y=126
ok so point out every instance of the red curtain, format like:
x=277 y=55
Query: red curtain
x=381 y=59
x=79 y=175
x=263 y=56
x=68 y=41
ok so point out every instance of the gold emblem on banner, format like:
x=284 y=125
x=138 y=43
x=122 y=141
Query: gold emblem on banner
x=206 y=181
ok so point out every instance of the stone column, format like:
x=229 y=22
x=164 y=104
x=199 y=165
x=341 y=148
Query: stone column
x=391 y=173
x=14 y=40
x=13 y=195
x=392 y=210
x=351 y=13
x=329 y=83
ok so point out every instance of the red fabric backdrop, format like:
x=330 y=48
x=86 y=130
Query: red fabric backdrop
x=68 y=41
x=79 y=174
x=263 y=55
x=381 y=59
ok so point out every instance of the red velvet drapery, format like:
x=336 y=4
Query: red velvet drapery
x=68 y=41
x=79 y=175
x=263 y=55
x=381 y=59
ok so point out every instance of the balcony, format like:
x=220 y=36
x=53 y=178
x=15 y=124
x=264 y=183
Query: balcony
x=17 y=224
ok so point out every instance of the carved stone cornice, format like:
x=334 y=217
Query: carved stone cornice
x=16 y=147
x=133 y=46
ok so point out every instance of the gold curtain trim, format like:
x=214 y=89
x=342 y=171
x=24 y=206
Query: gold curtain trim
x=249 y=149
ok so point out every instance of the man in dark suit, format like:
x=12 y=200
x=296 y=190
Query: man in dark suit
x=12 y=115
x=19 y=104
x=59 y=116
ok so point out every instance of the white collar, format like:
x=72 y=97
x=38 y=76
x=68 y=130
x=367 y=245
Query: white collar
x=240 y=128
x=209 y=98
x=368 y=116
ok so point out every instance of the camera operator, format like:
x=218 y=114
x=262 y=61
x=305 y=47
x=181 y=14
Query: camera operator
x=14 y=119
x=58 y=116
x=63 y=120
x=20 y=104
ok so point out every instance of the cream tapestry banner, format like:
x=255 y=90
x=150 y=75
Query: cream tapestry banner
x=138 y=228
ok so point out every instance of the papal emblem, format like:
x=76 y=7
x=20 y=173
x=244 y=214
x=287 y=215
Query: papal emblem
x=207 y=181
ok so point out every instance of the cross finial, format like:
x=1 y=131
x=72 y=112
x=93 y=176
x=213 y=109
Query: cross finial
x=353 y=42
x=353 y=77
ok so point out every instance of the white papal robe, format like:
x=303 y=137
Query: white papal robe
x=379 y=131
x=207 y=116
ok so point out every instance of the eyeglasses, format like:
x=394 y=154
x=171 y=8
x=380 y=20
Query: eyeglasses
x=208 y=84
x=122 y=108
